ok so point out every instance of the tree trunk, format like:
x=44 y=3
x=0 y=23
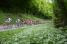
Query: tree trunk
x=60 y=13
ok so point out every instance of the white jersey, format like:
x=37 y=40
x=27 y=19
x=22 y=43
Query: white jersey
x=18 y=20
x=8 y=20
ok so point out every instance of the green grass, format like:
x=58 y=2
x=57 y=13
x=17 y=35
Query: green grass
x=6 y=35
x=35 y=34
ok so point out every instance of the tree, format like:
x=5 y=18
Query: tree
x=60 y=12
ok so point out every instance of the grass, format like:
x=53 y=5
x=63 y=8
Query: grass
x=6 y=35
x=35 y=34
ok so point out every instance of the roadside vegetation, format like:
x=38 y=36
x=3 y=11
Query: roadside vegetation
x=38 y=34
x=45 y=21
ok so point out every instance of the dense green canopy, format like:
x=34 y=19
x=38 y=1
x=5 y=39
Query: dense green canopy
x=28 y=6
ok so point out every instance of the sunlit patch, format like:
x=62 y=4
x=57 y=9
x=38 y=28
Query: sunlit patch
x=50 y=1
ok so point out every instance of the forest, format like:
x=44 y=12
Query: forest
x=33 y=22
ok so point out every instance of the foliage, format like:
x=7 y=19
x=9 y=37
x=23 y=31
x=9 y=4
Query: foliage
x=60 y=13
x=35 y=35
x=45 y=6
x=14 y=16
x=6 y=35
x=41 y=8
